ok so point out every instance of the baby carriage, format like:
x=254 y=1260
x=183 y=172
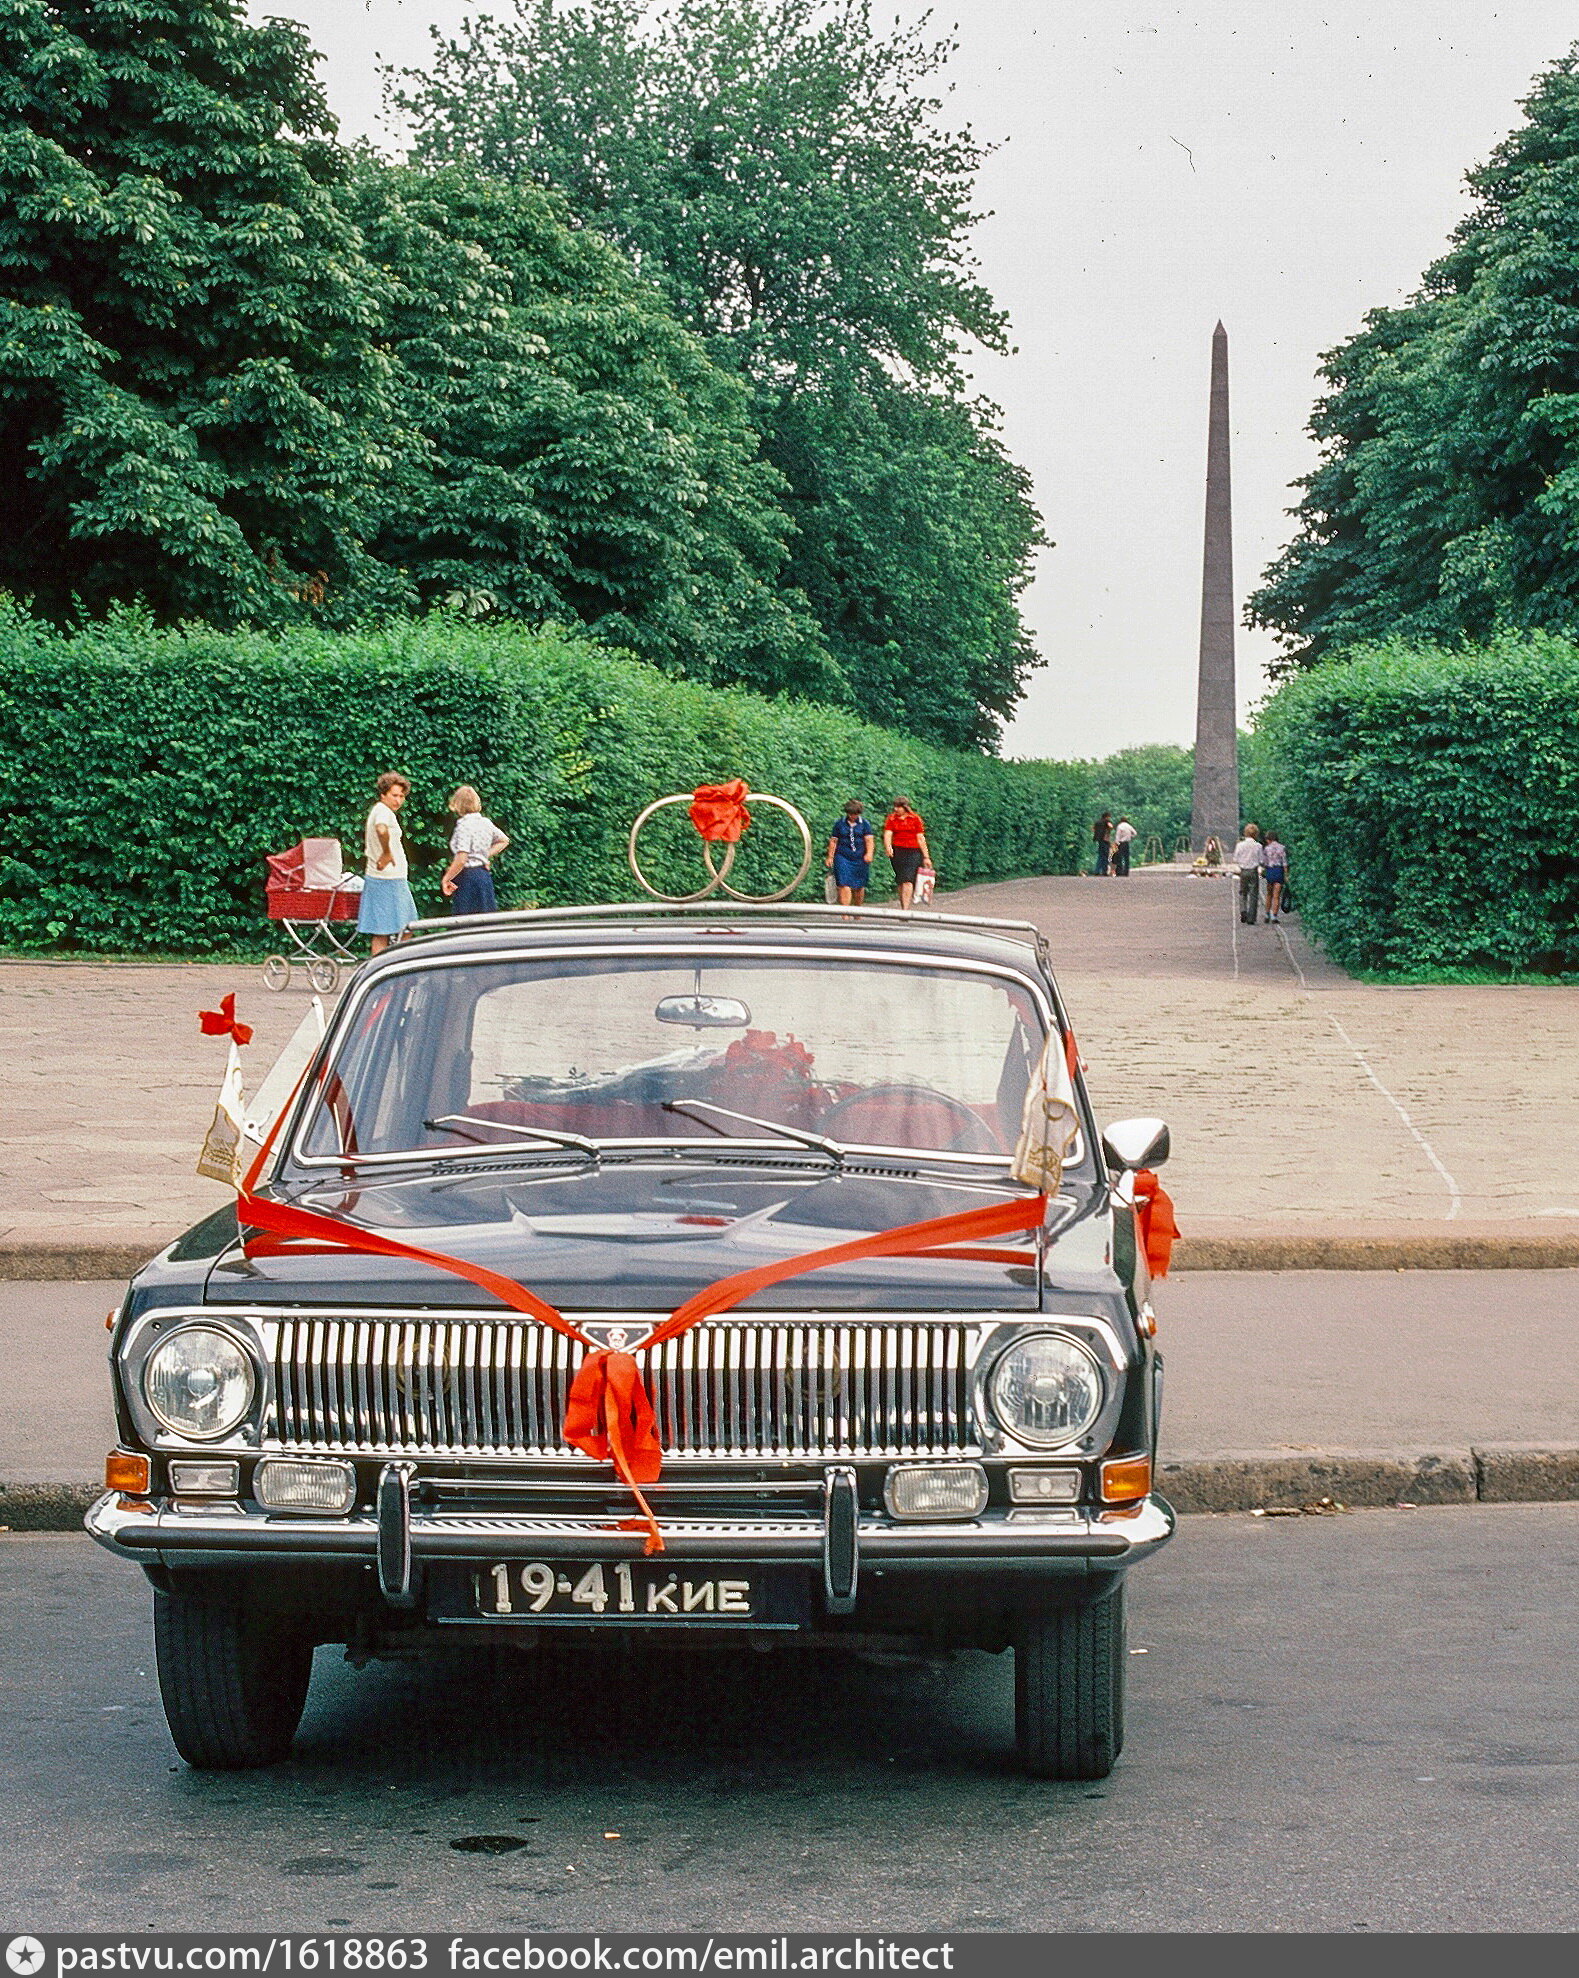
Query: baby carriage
x=309 y=893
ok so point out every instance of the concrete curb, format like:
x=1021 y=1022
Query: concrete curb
x=24 y=1259
x=1508 y=1473
x=1377 y=1253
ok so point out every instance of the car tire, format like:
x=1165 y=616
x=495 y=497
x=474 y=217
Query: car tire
x=233 y=1683
x=1069 y=1672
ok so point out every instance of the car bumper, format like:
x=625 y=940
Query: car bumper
x=161 y=1533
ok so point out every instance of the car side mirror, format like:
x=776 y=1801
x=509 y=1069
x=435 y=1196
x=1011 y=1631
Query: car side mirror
x=1136 y=1143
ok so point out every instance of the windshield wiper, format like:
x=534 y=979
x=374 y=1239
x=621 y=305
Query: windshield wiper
x=521 y=1136
x=691 y=1107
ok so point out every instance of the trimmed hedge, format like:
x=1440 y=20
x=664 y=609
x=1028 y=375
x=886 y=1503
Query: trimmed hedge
x=145 y=772
x=1430 y=801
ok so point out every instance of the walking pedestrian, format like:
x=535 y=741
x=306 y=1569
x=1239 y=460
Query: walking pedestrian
x=1276 y=876
x=1250 y=856
x=905 y=843
x=850 y=854
x=1102 y=833
x=1124 y=835
x=475 y=842
x=386 y=908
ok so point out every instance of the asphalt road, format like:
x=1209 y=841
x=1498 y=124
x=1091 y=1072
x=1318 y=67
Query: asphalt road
x=1362 y=1722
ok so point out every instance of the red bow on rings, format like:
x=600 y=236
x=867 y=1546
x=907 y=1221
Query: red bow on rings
x=222 y=1022
x=718 y=810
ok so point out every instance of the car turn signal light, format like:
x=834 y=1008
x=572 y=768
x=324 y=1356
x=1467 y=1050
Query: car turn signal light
x=126 y=1472
x=1126 y=1478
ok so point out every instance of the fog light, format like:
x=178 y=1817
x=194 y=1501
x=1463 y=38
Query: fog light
x=280 y=1485
x=1044 y=1486
x=124 y=1471
x=1126 y=1479
x=936 y=1490
x=205 y=1479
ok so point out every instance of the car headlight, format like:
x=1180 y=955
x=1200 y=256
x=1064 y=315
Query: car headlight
x=1046 y=1389
x=199 y=1383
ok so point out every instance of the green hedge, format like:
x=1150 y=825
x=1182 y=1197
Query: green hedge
x=145 y=772
x=1430 y=800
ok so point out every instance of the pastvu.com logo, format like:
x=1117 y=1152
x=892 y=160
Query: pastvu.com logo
x=25 y=1956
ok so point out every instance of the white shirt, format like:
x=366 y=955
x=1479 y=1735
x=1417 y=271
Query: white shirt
x=382 y=814
x=1124 y=833
x=1249 y=855
x=1277 y=854
x=474 y=835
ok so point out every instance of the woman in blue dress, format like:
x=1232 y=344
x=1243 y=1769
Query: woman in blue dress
x=850 y=855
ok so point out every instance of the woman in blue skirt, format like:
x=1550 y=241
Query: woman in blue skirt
x=387 y=908
x=850 y=855
x=475 y=843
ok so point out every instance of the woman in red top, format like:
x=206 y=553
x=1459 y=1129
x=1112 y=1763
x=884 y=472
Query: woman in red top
x=905 y=842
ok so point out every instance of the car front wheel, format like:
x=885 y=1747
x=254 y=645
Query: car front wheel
x=1069 y=1671
x=234 y=1683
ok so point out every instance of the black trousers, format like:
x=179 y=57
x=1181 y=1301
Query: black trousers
x=1250 y=895
x=1121 y=860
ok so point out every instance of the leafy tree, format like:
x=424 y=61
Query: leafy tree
x=584 y=458
x=1150 y=785
x=776 y=163
x=1446 y=503
x=782 y=169
x=193 y=405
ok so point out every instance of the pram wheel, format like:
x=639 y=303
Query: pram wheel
x=276 y=973
x=324 y=975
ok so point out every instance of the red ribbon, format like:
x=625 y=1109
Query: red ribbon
x=222 y=1022
x=1154 y=1219
x=609 y=1413
x=718 y=810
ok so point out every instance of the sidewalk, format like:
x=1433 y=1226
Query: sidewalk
x=1287 y=1086
x=1280 y=1388
x=1304 y=1104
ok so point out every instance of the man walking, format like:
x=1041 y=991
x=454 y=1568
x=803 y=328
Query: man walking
x=1250 y=858
x=1123 y=838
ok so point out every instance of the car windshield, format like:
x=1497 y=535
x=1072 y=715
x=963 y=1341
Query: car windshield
x=620 y=1048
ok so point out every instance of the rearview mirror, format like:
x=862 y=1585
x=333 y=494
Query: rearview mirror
x=704 y=1012
x=1136 y=1143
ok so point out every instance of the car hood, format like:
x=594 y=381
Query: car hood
x=638 y=1238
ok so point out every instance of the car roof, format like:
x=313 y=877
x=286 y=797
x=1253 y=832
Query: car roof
x=1016 y=944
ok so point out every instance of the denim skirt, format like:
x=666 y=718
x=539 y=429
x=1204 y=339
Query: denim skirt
x=386 y=906
x=474 y=891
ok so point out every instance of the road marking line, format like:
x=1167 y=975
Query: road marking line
x=1455 y=1198
x=1233 y=923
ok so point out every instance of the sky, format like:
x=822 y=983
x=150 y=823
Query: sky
x=1283 y=167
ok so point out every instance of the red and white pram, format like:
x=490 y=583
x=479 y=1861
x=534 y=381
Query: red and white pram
x=309 y=893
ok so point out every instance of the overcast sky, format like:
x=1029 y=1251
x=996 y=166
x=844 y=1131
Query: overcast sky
x=1282 y=164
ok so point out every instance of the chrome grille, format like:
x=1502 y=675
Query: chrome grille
x=484 y=1387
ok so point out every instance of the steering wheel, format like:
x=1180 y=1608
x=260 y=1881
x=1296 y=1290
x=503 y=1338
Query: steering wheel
x=973 y=1137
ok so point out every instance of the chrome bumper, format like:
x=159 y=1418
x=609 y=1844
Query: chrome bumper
x=166 y=1535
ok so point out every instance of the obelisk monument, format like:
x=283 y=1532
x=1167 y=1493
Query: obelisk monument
x=1214 y=811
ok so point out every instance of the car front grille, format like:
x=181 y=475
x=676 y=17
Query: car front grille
x=486 y=1387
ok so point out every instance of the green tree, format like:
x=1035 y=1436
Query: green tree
x=194 y=407
x=782 y=168
x=1151 y=785
x=1446 y=502
x=584 y=458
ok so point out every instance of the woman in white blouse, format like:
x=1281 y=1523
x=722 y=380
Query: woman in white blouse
x=475 y=843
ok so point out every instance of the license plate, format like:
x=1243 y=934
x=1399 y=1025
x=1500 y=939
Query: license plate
x=623 y=1590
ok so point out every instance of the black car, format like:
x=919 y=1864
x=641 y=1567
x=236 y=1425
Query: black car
x=617 y=1108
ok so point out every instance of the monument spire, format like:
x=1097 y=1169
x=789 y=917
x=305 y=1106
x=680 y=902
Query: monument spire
x=1214 y=811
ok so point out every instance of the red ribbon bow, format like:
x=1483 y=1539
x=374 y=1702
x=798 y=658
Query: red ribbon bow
x=222 y=1022
x=609 y=1413
x=718 y=810
x=1154 y=1218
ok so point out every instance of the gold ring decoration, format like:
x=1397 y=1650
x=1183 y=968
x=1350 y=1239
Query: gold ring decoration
x=719 y=813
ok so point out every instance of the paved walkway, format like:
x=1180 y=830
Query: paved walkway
x=1278 y=1364
x=1302 y=1103
x=1301 y=1100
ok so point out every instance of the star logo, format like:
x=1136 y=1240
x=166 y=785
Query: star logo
x=25 y=1956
